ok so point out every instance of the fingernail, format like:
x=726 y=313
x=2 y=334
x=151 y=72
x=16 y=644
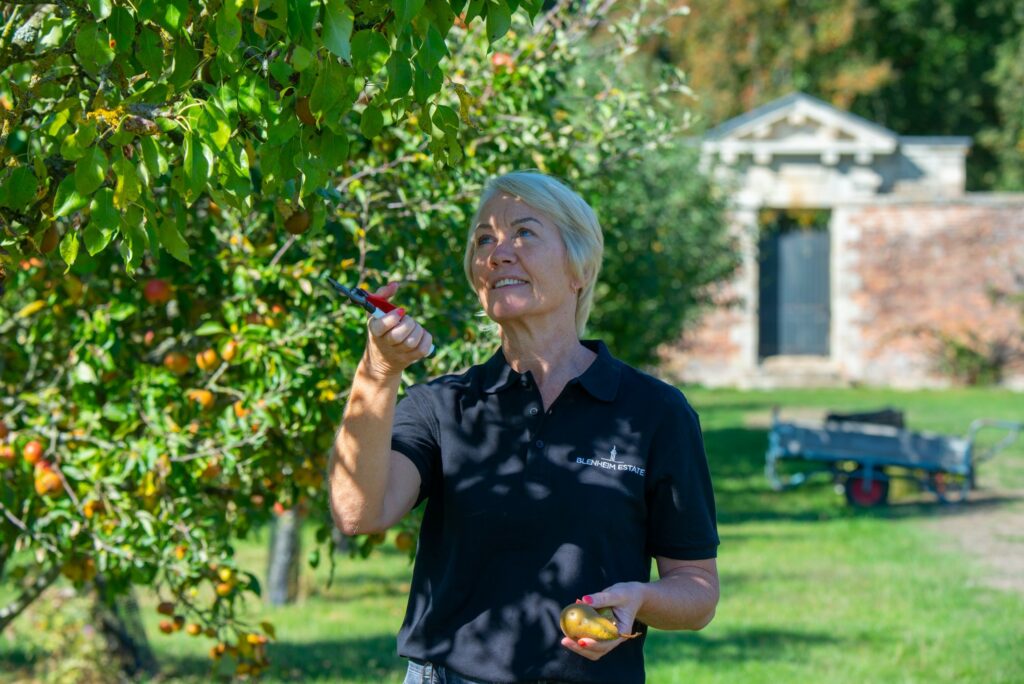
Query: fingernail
x=588 y=600
x=582 y=643
x=401 y=312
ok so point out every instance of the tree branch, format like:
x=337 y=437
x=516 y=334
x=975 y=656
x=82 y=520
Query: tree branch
x=13 y=609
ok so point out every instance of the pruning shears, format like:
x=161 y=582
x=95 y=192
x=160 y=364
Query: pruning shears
x=378 y=307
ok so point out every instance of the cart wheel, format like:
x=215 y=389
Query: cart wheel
x=862 y=494
x=949 y=488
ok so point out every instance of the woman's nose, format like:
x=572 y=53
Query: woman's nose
x=503 y=252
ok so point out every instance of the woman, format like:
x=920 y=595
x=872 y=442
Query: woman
x=551 y=472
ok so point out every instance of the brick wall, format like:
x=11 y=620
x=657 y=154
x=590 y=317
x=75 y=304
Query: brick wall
x=917 y=270
x=901 y=273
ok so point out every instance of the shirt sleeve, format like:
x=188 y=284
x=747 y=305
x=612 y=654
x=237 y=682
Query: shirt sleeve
x=681 y=520
x=414 y=434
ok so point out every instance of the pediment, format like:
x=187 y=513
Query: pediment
x=799 y=124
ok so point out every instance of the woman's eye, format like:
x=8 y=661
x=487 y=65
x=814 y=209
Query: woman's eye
x=480 y=240
x=525 y=230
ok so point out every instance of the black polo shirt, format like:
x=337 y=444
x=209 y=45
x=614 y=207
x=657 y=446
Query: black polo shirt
x=528 y=510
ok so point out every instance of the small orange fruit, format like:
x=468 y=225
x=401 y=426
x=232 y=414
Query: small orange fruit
x=207 y=360
x=203 y=397
x=33 y=451
x=177 y=363
x=229 y=351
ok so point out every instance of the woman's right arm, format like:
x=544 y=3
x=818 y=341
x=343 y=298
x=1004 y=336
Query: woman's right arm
x=371 y=486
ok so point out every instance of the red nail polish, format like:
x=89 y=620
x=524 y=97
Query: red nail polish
x=588 y=600
x=401 y=312
x=582 y=643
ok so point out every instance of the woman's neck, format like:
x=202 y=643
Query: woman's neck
x=554 y=355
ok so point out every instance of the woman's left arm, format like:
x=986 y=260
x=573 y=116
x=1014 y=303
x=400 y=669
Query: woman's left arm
x=684 y=597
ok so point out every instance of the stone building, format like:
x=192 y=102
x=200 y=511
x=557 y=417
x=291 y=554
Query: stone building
x=864 y=259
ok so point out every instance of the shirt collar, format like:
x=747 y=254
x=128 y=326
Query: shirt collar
x=600 y=379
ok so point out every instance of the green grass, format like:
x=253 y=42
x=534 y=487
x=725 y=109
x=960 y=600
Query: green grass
x=812 y=591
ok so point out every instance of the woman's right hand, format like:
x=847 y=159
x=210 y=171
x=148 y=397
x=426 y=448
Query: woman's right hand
x=396 y=341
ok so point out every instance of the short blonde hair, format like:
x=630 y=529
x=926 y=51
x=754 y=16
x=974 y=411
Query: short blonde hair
x=576 y=222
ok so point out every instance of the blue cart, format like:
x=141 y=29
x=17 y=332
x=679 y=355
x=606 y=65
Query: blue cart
x=864 y=452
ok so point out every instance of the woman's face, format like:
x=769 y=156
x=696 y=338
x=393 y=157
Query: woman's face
x=514 y=241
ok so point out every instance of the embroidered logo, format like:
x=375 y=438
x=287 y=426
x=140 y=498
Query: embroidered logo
x=611 y=463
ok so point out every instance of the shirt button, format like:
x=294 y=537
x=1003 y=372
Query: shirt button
x=533 y=411
x=540 y=443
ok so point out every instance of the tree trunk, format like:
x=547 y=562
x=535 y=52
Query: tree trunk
x=118 y=620
x=283 y=564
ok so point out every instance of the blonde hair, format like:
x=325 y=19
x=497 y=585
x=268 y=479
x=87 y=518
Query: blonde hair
x=573 y=217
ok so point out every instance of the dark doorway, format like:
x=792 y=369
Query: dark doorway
x=794 y=283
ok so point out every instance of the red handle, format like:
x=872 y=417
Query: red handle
x=381 y=303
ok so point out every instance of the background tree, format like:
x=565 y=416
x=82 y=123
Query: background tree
x=919 y=67
x=178 y=401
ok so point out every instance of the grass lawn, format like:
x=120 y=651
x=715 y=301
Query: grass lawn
x=812 y=591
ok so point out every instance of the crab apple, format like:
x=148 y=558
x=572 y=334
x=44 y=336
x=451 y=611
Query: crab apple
x=177 y=363
x=157 y=291
x=47 y=482
x=207 y=359
x=33 y=451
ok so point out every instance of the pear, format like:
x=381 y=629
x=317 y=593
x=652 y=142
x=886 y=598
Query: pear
x=579 y=620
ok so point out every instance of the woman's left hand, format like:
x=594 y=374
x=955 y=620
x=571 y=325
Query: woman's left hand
x=625 y=600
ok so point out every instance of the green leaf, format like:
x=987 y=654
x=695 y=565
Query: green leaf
x=229 y=28
x=67 y=200
x=432 y=51
x=338 y=21
x=499 y=20
x=100 y=8
x=369 y=51
x=171 y=14
x=301 y=58
x=302 y=15
x=83 y=372
x=59 y=119
x=122 y=30
x=198 y=161
x=152 y=158
x=439 y=13
x=150 y=52
x=20 y=188
x=210 y=328
x=399 y=76
x=426 y=82
x=76 y=144
x=215 y=125
x=186 y=59
x=69 y=248
x=446 y=119
x=128 y=188
x=405 y=11
x=172 y=240
x=334 y=148
x=104 y=220
x=371 y=122
x=115 y=412
x=92 y=44
x=90 y=170
x=120 y=311
x=474 y=10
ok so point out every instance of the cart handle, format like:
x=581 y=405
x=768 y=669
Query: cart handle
x=1013 y=429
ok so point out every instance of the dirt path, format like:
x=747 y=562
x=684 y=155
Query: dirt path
x=990 y=527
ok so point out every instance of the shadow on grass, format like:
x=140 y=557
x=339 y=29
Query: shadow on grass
x=360 y=658
x=753 y=645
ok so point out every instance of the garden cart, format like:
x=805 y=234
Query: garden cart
x=863 y=452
